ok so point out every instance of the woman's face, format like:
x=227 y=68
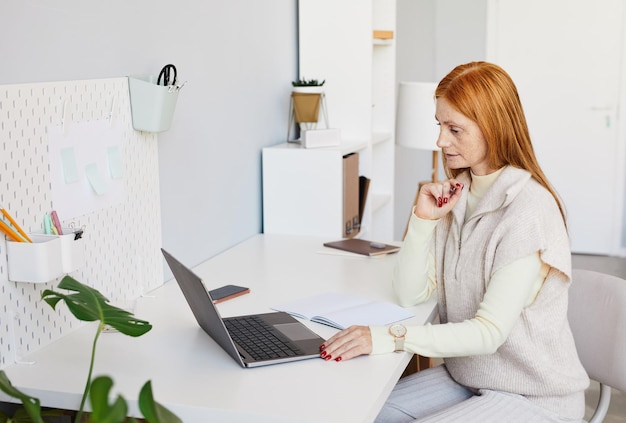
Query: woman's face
x=461 y=140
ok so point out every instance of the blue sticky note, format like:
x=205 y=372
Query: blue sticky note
x=68 y=163
x=95 y=179
x=115 y=162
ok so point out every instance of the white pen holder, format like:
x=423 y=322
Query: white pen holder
x=152 y=105
x=46 y=258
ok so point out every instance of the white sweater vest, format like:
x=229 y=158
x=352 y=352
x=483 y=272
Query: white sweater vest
x=515 y=218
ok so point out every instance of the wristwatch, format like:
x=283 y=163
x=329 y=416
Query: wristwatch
x=398 y=332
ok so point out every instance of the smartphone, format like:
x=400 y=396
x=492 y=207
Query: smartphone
x=227 y=292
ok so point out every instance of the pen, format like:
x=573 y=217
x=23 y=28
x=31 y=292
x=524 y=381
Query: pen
x=47 y=224
x=15 y=225
x=9 y=232
x=56 y=222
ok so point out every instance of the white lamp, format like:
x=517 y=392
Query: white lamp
x=416 y=126
x=415 y=122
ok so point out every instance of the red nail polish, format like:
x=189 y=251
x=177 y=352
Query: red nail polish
x=445 y=200
x=338 y=359
x=323 y=354
x=458 y=185
x=439 y=202
x=322 y=347
x=328 y=357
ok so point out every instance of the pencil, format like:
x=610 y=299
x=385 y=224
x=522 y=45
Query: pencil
x=15 y=225
x=10 y=233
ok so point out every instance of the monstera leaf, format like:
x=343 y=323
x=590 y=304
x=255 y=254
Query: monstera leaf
x=88 y=304
x=152 y=410
x=99 y=398
x=115 y=412
x=31 y=405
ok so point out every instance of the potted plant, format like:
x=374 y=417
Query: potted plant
x=308 y=85
x=88 y=304
x=306 y=97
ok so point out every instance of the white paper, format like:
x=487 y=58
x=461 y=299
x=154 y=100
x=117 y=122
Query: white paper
x=74 y=157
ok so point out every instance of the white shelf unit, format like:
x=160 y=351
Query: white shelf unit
x=383 y=117
x=337 y=44
x=303 y=189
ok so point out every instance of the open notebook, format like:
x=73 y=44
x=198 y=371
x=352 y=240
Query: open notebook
x=342 y=310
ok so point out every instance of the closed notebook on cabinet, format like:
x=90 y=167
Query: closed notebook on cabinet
x=351 y=220
x=364 y=186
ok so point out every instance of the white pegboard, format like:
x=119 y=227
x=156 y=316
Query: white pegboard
x=121 y=242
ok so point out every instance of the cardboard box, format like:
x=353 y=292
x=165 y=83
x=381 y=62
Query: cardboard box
x=351 y=220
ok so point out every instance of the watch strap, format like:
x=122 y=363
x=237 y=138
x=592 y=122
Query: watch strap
x=399 y=344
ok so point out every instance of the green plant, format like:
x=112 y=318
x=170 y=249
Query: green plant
x=307 y=83
x=88 y=304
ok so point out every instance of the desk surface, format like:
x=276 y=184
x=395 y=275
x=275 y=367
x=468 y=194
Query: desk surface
x=192 y=376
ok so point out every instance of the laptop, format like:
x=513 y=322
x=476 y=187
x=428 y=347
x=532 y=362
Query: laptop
x=277 y=337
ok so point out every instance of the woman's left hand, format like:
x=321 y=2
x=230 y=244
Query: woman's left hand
x=347 y=344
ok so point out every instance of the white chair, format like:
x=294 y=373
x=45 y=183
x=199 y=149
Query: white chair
x=597 y=316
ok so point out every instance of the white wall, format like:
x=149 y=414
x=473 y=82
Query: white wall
x=433 y=36
x=239 y=58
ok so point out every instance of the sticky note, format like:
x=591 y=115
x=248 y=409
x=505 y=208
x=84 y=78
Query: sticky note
x=115 y=162
x=68 y=163
x=95 y=179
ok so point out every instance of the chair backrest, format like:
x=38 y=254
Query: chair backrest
x=597 y=317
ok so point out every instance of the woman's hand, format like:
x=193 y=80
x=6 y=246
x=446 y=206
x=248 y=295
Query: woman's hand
x=347 y=344
x=436 y=199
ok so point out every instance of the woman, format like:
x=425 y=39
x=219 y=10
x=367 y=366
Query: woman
x=491 y=243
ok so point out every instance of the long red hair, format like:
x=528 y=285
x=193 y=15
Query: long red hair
x=486 y=94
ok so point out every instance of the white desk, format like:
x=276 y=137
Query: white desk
x=192 y=376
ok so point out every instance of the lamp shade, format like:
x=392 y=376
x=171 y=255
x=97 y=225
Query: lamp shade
x=416 y=126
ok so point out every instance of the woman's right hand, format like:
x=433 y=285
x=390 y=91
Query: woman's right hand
x=347 y=344
x=436 y=199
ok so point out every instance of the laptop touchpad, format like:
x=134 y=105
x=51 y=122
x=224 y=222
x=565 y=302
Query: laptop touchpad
x=295 y=331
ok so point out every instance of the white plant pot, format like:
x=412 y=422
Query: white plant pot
x=308 y=90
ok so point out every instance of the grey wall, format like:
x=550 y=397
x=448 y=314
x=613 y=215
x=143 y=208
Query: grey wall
x=460 y=33
x=238 y=57
x=415 y=61
x=433 y=36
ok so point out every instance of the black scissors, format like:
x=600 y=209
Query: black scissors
x=165 y=74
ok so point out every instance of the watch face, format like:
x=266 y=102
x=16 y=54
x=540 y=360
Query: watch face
x=397 y=330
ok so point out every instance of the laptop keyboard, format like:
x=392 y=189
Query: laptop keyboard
x=257 y=338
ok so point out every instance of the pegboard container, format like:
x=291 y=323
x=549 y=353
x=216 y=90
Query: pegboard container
x=39 y=261
x=72 y=251
x=46 y=258
x=152 y=106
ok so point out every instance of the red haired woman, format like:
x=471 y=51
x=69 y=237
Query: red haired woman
x=491 y=244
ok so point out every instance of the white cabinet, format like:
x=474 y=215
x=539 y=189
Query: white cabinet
x=303 y=189
x=337 y=44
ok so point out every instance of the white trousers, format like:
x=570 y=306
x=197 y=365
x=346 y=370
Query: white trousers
x=432 y=395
